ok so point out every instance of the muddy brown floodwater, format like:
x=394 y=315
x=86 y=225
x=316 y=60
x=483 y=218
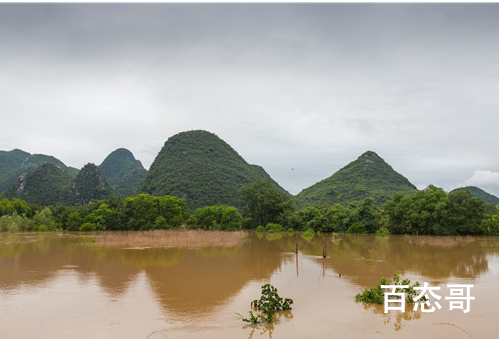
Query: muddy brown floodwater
x=194 y=284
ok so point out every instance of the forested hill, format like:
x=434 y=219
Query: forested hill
x=17 y=162
x=479 y=193
x=368 y=176
x=203 y=169
x=89 y=184
x=44 y=185
x=123 y=172
x=47 y=184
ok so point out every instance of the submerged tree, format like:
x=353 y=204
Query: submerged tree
x=269 y=303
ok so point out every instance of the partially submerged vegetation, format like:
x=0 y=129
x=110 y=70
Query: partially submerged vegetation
x=269 y=303
x=376 y=295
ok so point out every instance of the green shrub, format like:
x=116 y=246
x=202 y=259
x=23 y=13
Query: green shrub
x=357 y=228
x=15 y=223
x=74 y=221
x=383 y=232
x=273 y=228
x=260 y=229
x=376 y=295
x=269 y=303
x=309 y=233
x=160 y=223
x=220 y=217
x=88 y=227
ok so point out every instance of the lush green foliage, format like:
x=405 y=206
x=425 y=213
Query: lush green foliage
x=383 y=232
x=368 y=176
x=431 y=211
x=269 y=303
x=74 y=221
x=363 y=216
x=17 y=162
x=138 y=213
x=130 y=182
x=15 y=223
x=148 y=212
x=434 y=212
x=308 y=234
x=264 y=203
x=89 y=184
x=359 y=217
x=479 y=193
x=376 y=295
x=206 y=172
x=17 y=207
x=220 y=217
x=202 y=169
x=273 y=228
x=490 y=225
x=18 y=216
x=9 y=162
x=45 y=185
x=123 y=172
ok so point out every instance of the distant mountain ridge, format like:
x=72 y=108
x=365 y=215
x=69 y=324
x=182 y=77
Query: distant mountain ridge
x=89 y=184
x=202 y=169
x=46 y=184
x=368 y=176
x=123 y=172
x=197 y=166
x=479 y=193
x=17 y=162
x=45 y=180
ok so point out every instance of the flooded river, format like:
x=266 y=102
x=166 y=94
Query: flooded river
x=197 y=284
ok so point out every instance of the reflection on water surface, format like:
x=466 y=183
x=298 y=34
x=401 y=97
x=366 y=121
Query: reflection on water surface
x=193 y=284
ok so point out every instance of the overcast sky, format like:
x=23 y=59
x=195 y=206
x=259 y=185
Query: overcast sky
x=300 y=89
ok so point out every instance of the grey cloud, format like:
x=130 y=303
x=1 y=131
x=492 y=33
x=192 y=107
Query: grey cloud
x=303 y=86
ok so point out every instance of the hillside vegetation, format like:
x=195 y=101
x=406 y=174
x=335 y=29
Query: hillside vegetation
x=368 y=176
x=47 y=184
x=89 y=184
x=123 y=172
x=481 y=194
x=202 y=169
x=16 y=162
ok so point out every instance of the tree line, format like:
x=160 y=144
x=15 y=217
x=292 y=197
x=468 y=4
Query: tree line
x=431 y=211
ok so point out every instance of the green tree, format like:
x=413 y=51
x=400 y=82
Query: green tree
x=45 y=220
x=363 y=216
x=466 y=213
x=218 y=217
x=142 y=212
x=6 y=207
x=434 y=212
x=264 y=203
x=490 y=226
x=74 y=221
x=21 y=207
x=109 y=218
